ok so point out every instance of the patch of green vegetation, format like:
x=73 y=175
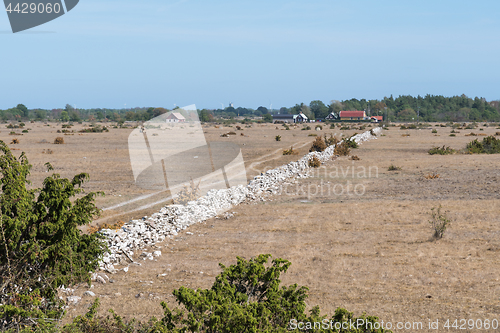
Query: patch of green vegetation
x=41 y=246
x=441 y=151
x=489 y=145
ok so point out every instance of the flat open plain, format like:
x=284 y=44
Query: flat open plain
x=368 y=251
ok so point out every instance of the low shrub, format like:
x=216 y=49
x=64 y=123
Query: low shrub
x=306 y=128
x=342 y=149
x=313 y=134
x=318 y=145
x=277 y=137
x=452 y=134
x=431 y=176
x=188 y=193
x=314 y=162
x=441 y=151
x=332 y=126
x=25 y=131
x=355 y=158
x=290 y=152
x=59 y=140
x=489 y=145
x=439 y=222
x=246 y=297
x=497 y=133
x=331 y=140
x=345 y=128
x=434 y=131
x=393 y=168
x=351 y=142
x=14 y=141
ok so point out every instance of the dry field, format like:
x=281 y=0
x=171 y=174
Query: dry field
x=105 y=157
x=368 y=251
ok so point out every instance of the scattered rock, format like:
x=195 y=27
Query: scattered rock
x=100 y=279
x=73 y=300
x=89 y=293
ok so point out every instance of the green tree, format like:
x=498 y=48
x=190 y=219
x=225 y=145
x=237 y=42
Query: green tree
x=268 y=118
x=68 y=108
x=99 y=115
x=262 y=109
x=23 y=109
x=74 y=116
x=64 y=116
x=40 y=114
x=319 y=109
x=41 y=247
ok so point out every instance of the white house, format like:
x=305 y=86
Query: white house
x=175 y=117
x=300 y=118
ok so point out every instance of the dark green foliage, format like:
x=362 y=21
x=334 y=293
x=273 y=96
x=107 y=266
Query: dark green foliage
x=306 y=128
x=246 y=297
x=441 y=151
x=268 y=118
x=434 y=131
x=489 y=145
x=351 y=143
x=41 y=247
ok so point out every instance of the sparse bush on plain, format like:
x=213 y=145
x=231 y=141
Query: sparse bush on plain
x=393 y=168
x=351 y=142
x=342 y=149
x=314 y=162
x=441 y=151
x=434 y=131
x=318 y=145
x=355 y=158
x=306 y=128
x=331 y=141
x=188 y=193
x=439 y=222
x=489 y=145
x=290 y=151
x=277 y=137
x=59 y=140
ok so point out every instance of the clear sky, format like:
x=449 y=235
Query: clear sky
x=164 y=52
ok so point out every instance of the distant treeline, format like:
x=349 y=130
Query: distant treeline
x=402 y=108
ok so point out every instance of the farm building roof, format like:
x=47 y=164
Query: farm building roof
x=352 y=114
x=176 y=115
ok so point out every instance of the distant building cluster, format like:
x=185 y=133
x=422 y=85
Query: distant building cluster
x=343 y=115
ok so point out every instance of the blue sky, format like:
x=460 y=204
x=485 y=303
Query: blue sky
x=160 y=53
